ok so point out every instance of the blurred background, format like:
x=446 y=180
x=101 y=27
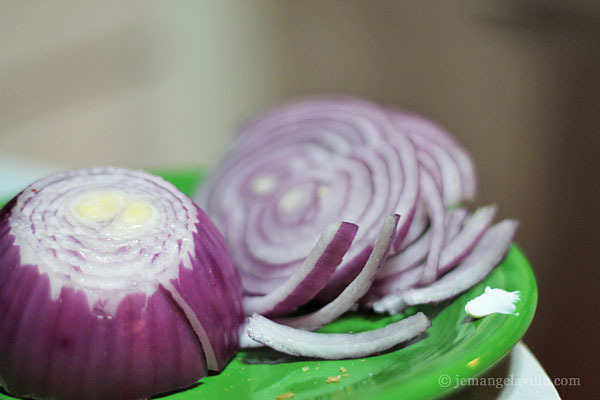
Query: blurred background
x=164 y=84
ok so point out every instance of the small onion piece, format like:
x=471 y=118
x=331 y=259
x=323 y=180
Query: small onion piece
x=113 y=284
x=434 y=204
x=488 y=253
x=356 y=289
x=307 y=280
x=477 y=265
x=457 y=247
x=416 y=252
x=335 y=346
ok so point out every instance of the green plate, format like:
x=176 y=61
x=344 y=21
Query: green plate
x=454 y=349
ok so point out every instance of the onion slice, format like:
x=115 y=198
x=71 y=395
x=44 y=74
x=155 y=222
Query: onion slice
x=417 y=251
x=463 y=242
x=459 y=245
x=335 y=346
x=473 y=269
x=356 y=289
x=434 y=204
x=310 y=278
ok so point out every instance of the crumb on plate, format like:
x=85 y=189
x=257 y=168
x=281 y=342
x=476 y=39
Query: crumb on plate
x=286 y=395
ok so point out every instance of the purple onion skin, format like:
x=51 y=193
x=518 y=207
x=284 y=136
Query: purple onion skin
x=219 y=311
x=63 y=349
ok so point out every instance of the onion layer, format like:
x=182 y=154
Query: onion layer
x=335 y=346
x=110 y=281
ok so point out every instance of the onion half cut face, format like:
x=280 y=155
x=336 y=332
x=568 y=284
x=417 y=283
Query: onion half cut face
x=113 y=284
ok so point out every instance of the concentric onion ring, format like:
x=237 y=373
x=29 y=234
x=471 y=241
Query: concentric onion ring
x=299 y=168
x=113 y=284
x=302 y=168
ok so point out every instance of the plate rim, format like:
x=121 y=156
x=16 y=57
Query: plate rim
x=463 y=365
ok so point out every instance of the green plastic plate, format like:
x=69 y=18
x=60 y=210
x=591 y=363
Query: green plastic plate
x=454 y=349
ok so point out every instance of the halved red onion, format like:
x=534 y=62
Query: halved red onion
x=335 y=346
x=113 y=284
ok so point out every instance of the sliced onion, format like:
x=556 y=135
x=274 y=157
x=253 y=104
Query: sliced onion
x=457 y=167
x=309 y=279
x=300 y=168
x=335 y=346
x=464 y=241
x=356 y=289
x=388 y=294
x=408 y=258
x=416 y=229
x=433 y=201
x=473 y=269
x=113 y=284
x=416 y=252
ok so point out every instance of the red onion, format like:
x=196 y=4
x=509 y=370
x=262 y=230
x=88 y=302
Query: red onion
x=298 y=169
x=113 y=284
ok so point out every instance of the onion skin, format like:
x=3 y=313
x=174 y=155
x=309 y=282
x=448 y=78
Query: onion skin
x=57 y=344
x=219 y=312
x=86 y=356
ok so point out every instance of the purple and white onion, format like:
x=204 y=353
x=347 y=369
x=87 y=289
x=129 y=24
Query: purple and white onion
x=113 y=284
x=303 y=171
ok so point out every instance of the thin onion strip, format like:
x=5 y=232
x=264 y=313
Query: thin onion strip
x=335 y=346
